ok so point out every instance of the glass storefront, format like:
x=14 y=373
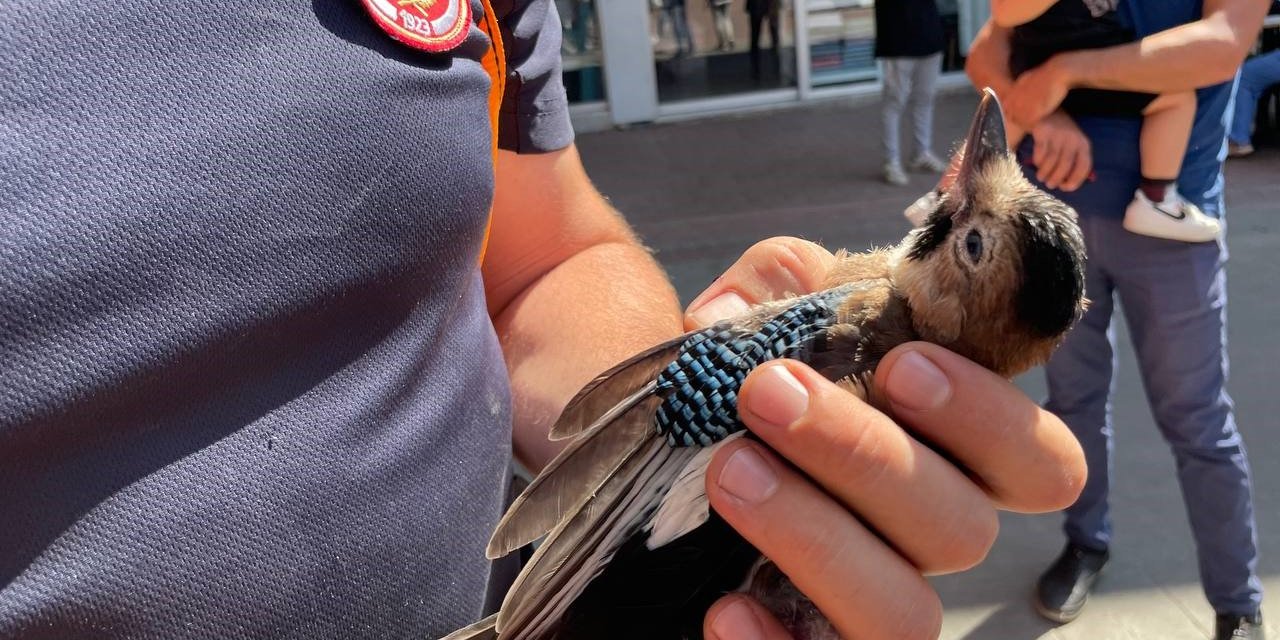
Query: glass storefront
x=735 y=51
x=704 y=48
x=842 y=39
x=580 y=51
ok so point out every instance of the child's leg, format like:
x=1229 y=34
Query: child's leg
x=1156 y=210
x=1166 y=129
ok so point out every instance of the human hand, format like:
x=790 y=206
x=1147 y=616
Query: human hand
x=1062 y=155
x=877 y=509
x=1036 y=93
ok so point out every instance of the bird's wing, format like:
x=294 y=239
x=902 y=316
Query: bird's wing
x=605 y=487
x=483 y=630
x=602 y=393
x=580 y=547
x=624 y=403
x=685 y=506
x=611 y=416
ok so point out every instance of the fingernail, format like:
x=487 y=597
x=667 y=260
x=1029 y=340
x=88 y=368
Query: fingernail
x=747 y=477
x=916 y=383
x=737 y=622
x=777 y=397
x=725 y=305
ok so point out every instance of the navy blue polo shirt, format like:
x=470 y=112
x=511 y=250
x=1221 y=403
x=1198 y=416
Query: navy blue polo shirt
x=1115 y=141
x=248 y=385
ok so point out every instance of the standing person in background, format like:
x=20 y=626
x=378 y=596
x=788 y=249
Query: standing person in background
x=1256 y=76
x=678 y=19
x=1174 y=293
x=909 y=44
x=724 y=23
x=759 y=10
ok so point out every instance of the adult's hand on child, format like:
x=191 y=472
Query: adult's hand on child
x=1062 y=156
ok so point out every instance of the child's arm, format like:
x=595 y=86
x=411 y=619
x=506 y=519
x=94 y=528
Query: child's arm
x=1011 y=13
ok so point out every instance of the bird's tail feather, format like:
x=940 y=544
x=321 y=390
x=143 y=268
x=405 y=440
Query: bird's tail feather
x=598 y=397
x=578 y=550
x=483 y=630
x=610 y=416
x=574 y=476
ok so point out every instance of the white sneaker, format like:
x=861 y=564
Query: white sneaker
x=929 y=163
x=893 y=174
x=1172 y=219
x=919 y=210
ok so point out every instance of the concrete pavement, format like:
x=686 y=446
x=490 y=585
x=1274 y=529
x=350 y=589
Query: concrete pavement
x=701 y=192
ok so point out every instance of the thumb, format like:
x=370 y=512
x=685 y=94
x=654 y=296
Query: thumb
x=770 y=270
x=738 y=617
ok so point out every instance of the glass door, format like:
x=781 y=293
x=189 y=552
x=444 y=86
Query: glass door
x=580 y=51
x=713 y=48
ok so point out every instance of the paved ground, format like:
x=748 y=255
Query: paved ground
x=701 y=192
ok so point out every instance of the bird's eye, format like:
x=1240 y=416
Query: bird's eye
x=973 y=245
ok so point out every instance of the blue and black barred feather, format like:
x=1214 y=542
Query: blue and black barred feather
x=700 y=386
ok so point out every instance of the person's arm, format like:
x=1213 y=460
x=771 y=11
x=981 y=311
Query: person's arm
x=570 y=290
x=1011 y=13
x=1062 y=154
x=987 y=64
x=1197 y=54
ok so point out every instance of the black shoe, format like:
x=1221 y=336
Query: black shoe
x=1233 y=627
x=1063 y=589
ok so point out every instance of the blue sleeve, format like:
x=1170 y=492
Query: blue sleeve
x=535 y=108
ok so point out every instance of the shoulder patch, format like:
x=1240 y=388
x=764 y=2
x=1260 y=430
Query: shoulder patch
x=429 y=25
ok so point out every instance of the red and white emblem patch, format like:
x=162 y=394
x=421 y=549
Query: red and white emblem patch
x=430 y=25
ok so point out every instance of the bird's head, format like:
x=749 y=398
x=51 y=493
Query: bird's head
x=996 y=273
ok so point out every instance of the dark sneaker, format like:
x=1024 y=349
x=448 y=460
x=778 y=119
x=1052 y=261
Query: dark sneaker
x=1231 y=627
x=1063 y=589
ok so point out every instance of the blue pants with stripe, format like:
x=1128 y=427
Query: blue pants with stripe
x=1174 y=299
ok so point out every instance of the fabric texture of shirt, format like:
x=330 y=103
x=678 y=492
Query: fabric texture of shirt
x=248 y=384
x=1115 y=140
x=908 y=29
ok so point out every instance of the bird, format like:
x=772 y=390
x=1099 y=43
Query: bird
x=629 y=547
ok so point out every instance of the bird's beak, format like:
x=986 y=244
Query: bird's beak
x=985 y=142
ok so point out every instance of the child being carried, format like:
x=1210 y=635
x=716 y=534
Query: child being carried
x=1043 y=28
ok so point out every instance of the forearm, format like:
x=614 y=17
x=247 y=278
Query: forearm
x=593 y=310
x=988 y=62
x=988 y=66
x=1197 y=54
x=571 y=291
x=1011 y=13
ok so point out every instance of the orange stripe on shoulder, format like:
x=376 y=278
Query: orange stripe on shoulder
x=495 y=62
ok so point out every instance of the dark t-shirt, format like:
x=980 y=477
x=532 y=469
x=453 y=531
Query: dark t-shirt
x=907 y=28
x=248 y=385
x=1067 y=25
